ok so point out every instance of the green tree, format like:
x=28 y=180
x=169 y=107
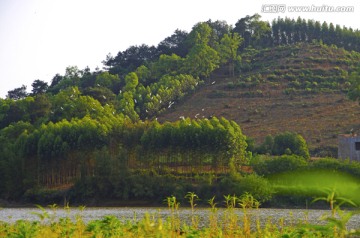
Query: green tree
x=354 y=89
x=325 y=33
x=202 y=60
x=14 y=111
x=17 y=93
x=144 y=74
x=107 y=80
x=103 y=95
x=174 y=44
x=317 y=30
x=39 y=87
x=242 y=27
x=290 y=143
x=260 y=32
x=40 y=107
x=228 y=50
x=128 y=60
x=199 y=35
x=168 y=64
x=131 y=81
x=127 y=106
x=256 y=32
x=219 y=29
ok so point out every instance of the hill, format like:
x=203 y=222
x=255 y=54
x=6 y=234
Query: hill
x=299 y=88
x=98 y=132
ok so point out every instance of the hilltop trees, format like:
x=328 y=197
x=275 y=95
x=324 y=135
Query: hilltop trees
x=17 y=93
x=256 y=33
x=39 y=87
x=289 y=31
x=128 y=60
x=174 y=44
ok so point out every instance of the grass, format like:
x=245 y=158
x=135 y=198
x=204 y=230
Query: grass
x=229 y=224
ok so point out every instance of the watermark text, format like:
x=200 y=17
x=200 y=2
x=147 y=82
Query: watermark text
x=282 y=8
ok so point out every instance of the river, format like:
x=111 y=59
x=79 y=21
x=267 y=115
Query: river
x=290 y=216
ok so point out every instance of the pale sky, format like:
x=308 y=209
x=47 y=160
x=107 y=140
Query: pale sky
x=40 y=38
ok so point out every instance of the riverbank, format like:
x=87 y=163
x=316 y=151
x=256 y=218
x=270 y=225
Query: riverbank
x=172 y=222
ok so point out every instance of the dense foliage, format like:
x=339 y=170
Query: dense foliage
x=59 y=153
x=284 y=143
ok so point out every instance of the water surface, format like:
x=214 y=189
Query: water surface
x=289 y=216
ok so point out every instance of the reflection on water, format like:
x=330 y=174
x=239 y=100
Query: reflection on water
x=290 y=216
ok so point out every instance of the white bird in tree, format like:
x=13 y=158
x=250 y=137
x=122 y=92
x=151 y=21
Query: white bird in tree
x=170 y=104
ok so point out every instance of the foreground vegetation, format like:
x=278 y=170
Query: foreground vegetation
x=228 y=224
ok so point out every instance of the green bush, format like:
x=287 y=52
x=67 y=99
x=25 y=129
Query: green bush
x=285 y=143
x=273 y=165
x=257 y=186
x=350 y=167
x=253 y=184
x=290 y=141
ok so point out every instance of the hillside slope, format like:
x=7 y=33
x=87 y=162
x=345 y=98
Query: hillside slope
x=298 y=88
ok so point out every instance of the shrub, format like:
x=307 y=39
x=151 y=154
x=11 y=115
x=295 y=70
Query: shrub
x=285 y=143
x=352 y=168
x=253 y=184
x=274 y=165
x=290 y=142
x=257 y=186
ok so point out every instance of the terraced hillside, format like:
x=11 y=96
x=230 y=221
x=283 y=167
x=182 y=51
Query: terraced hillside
x=299 y=88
